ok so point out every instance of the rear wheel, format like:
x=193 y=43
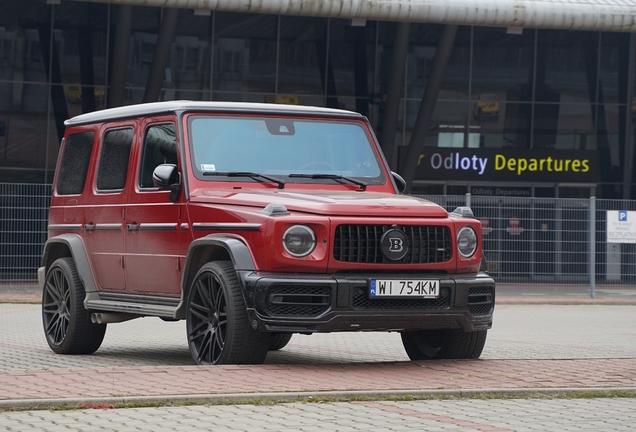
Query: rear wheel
x=67 y=325
x=216 y=320
x=279 y=341
x=443 y=344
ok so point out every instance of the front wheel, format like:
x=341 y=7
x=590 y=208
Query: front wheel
x=279 y=341
x=67 y=325
x=443 y=344
x=217 y=324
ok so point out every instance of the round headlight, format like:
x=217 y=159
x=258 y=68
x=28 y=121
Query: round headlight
x=299 y=240
x=467 y=242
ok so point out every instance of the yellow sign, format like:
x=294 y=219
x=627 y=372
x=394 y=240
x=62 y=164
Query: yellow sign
x=548 y=164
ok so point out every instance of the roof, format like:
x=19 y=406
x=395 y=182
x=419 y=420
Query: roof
x=604 y=15
x=156 y=108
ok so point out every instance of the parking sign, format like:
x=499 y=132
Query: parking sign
x=621 y=226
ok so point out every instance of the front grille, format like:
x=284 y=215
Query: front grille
x=298 y=301
x=361 y=300
x=480 y=300
x=361 y=244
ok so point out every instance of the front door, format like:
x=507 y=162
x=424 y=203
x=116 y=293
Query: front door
x=153 y=222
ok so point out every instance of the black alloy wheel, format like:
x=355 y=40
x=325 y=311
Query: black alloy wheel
x=67 y=325
x=217 y=325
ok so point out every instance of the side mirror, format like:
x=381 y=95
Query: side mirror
x=166 y=176
x=399 y=182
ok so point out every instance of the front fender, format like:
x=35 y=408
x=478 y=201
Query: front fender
x=212 y=248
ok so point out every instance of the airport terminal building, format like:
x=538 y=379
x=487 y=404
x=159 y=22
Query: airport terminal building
x=513 y=98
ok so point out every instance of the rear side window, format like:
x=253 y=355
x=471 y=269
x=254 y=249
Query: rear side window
x=114 y=158
x=74 y=164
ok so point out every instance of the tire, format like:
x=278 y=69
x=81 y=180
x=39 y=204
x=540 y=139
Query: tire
x=217 y=324
x=67 y=325
x=279 y=340
x=443 y=344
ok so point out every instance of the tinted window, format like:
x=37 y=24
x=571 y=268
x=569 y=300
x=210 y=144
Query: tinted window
x=113 y=162
x=74 y=164
x=160 y=147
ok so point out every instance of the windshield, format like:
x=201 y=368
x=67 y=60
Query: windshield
x=280 y=147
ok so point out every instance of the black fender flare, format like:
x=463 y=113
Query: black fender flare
x=483 y=267
x=72 y=246
x=212 y=248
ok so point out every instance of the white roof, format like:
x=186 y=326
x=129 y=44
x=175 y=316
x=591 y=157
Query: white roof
x=606 y=15
x=158 y=108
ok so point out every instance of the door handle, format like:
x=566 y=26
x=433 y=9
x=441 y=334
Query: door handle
x=89 y=227
x=132 y=227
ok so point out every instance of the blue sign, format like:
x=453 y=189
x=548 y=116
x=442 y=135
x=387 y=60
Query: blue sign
x=622 y=216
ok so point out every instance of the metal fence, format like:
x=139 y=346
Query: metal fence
x=551 y=242
x=23 y=220
x=546 y=242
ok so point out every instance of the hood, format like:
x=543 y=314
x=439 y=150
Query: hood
x=324 y=202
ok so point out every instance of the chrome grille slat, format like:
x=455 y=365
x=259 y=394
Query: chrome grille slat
x=428 y=250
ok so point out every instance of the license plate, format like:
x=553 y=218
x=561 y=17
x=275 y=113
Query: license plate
x=404 y=288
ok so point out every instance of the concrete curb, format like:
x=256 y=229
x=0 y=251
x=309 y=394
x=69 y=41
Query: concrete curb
x=241 y=398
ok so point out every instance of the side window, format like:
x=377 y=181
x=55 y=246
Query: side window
x=74 y=163
x=114 y=158
x=160 y=147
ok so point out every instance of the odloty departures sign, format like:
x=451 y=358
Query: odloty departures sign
x=518 y=165
x=621 y=226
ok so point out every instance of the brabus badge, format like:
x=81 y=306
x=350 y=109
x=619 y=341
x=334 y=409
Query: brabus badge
x=394 y=244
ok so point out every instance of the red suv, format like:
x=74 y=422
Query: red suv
x=252 y=222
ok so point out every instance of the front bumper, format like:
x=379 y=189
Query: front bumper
x=302 y=303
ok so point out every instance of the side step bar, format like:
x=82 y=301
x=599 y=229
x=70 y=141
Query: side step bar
x=132 y=306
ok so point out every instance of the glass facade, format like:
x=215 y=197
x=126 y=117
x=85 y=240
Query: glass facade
x=567 y=91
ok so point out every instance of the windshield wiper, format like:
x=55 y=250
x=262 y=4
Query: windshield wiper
x=360 y=183
x=252 y=175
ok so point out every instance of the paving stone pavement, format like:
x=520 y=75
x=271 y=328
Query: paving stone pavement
x=529 y=347
x=429 y=415
x=548 y=349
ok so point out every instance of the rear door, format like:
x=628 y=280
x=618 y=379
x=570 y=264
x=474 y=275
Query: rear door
x=105 y=209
